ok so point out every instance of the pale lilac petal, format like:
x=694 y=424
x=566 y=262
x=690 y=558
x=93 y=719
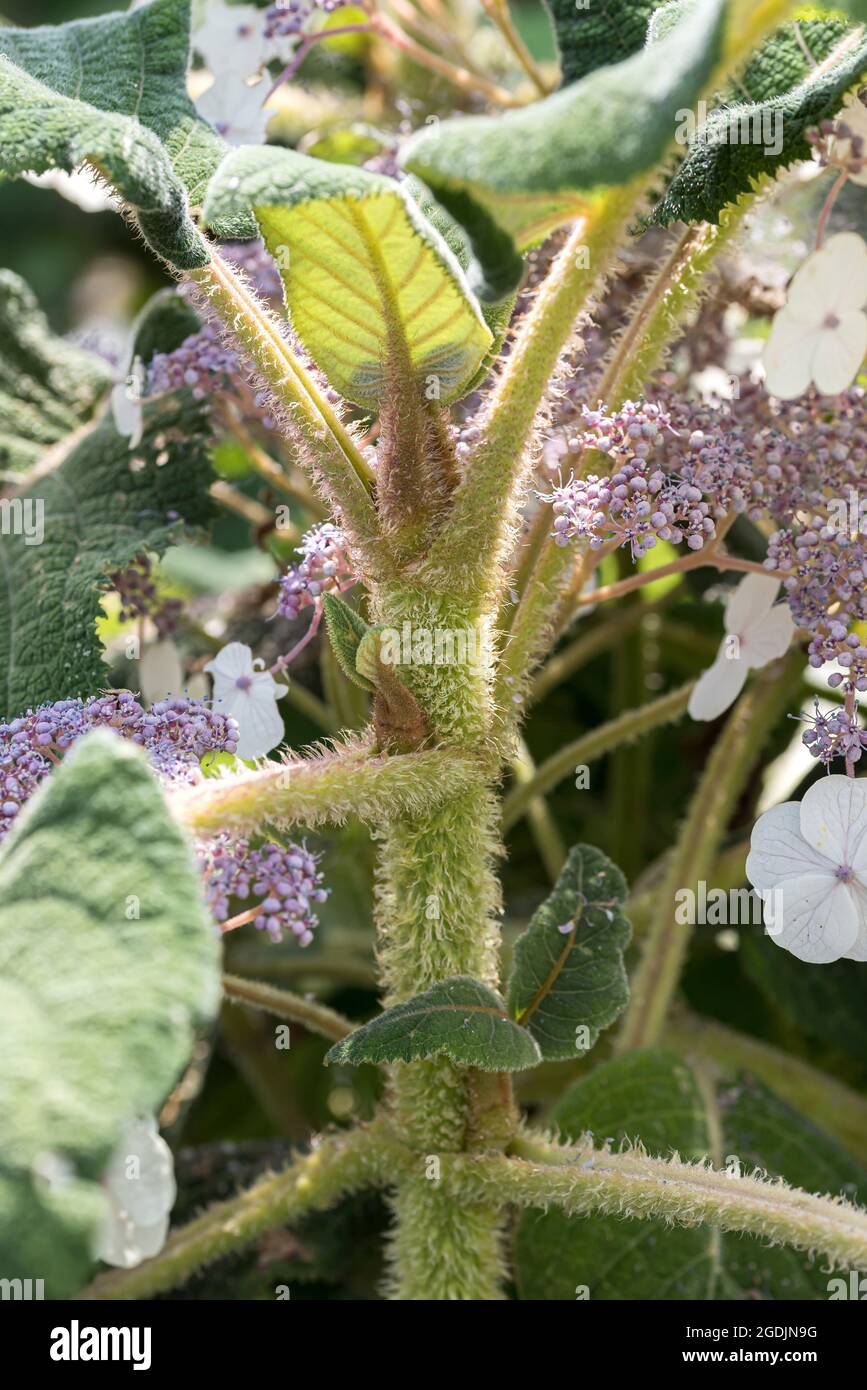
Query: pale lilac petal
x=834 y=819
x=813 y=286
x=778 y=850
x=719 y=687
x=260 y=725
x=814 y=917
x=232 y=661
x=788 y=357
x=839 y=354
x=859 y=950
x=750 y=602
x=770 y=638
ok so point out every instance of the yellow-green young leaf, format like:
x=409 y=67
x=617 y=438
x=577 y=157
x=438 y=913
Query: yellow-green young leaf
x=48 y=387
x=346 y=630
x=109 y=966
x=112 y=92
x=372 y=288
x=509 y=179
x=459 y=1018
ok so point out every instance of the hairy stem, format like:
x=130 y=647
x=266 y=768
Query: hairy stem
x=317 y=1018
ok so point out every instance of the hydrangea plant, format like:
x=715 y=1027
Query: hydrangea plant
x=449 y=368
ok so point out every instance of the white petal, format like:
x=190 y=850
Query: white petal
x=140 y=1177
x=834 y=819
x=232 y=39
x=260 y=725
x=750 y=602
x=814 y=917
x=127 y=413
x=160 y=673
x=859 y=950
x=770 y=638
x=788 y=357
x=839 y=354
x=848 y=254
x=813 y=286
x=719 y=687
x=232 y=661
x=778 y=850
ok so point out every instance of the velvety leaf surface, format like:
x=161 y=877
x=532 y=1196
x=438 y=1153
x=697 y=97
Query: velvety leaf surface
x=345 y=630
x=563 y=981
x=596 y=35
x=654 y=1097
x=460 y=1018
x=101 y=507
x=108 y=966
x=112 y=91
x=370 y=284
x=48 y=387
x=509 y=179
x=744 y=140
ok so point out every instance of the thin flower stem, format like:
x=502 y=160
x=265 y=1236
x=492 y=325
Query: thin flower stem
x=655 y=982
x=588 y=645
x=241 y=919
x=831 y=199
x=595 y=744
x=543 y=826
x=308 y=41
x=386 y=28
x=316 y=1018
x=719 y=560
x=849 y=707
x=499 y=12
x=246 y=507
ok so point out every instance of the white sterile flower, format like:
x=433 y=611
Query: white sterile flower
x=81 y=187
x=140 y=1185
x=250 y=695
x=235 y=110
x=808 y=860
x=232 y=39
x=820 y=334
x=756 y=633
x=126 y=402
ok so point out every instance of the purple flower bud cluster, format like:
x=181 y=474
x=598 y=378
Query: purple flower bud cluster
x=323 y=568
x=836 y=144
x=834 y=735
x=202 y=364
x=289 y=17
x=174 y=733
x=252 y=258
x=139 y=598
x=285 y=879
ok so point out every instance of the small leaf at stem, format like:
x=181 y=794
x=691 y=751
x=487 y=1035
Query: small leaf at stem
x=459 y=1018
x=346 y=630
x=569 y=981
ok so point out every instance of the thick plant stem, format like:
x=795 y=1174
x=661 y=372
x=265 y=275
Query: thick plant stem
x=340 y=1164
x=599 y=741
x=726 y=772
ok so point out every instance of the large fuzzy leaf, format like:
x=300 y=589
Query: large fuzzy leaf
x=100 y=508
x=742 y=141
x=509 y=179
x=371 y=286
x=568 y=985
x=108 y=965
x=47 y=386
x=460 y=1018
x=593 y=36
x=112 y=92
x=654 y=1097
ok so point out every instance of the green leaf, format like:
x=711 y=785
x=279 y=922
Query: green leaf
x=346 y=630
x=372 y=288
x=108 y=967
x=655 y=1098
x=563 y=981
x=789 y=94
x=100 y=508
x=112 y=92
x=459 y=1018
x=509 y=179
x=596 y=35
x=48 y=387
